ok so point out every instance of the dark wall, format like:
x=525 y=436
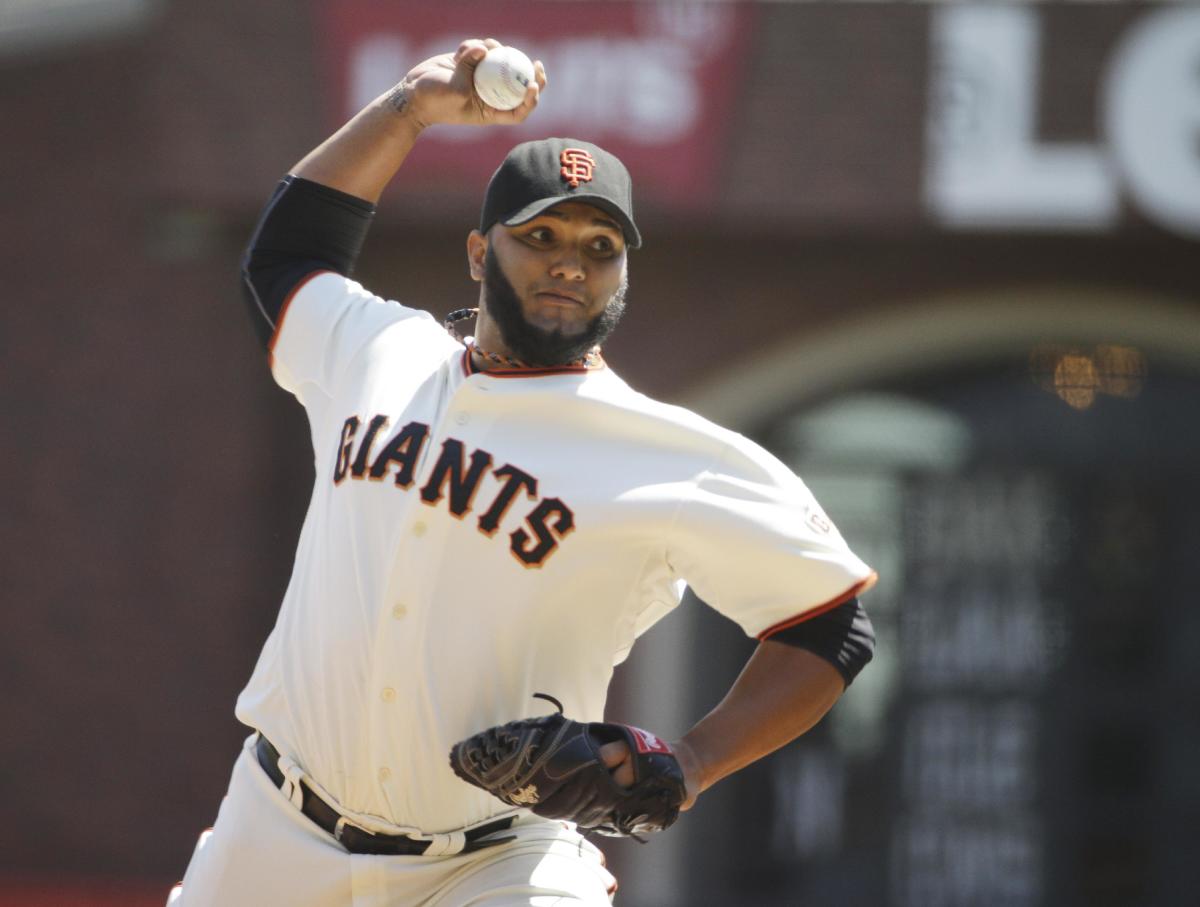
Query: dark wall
x=149 y=517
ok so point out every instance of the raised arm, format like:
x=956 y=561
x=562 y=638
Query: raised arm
x=318 y=217
x=361 y=158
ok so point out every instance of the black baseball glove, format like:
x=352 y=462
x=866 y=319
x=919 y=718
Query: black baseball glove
x=552 y=765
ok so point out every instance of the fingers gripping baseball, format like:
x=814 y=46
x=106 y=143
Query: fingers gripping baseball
x=442 y=89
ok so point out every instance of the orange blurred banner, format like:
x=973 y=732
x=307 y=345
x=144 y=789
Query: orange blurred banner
x=654 y=83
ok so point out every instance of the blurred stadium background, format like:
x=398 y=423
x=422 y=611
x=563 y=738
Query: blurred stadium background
x=942 y=258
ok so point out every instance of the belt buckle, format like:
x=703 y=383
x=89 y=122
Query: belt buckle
x=340 y=827
x=339 y=832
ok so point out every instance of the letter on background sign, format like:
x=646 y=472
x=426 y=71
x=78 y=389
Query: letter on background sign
x=1152 y=106
x=984 y=167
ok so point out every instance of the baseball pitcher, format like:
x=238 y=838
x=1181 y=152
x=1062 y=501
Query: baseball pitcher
x=495 y=520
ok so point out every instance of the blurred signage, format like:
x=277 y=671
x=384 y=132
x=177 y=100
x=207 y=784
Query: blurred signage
x=652 y=82
x=981 y=634
x=30 y=27
x=986 y=168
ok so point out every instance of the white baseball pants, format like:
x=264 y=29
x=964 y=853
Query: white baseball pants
x=264 y=851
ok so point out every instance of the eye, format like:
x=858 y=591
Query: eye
x=603 y=245
x=540 y=234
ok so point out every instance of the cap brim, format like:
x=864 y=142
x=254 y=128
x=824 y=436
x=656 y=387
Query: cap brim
x=633 y=239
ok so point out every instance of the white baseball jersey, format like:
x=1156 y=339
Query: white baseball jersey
x=474 y=538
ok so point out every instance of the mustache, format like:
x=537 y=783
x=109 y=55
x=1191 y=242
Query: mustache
x=581 y=298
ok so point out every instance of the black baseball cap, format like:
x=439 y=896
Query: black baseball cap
x=538 y=175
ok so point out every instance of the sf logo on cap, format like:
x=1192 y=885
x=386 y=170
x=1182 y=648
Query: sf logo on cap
x=577 y=166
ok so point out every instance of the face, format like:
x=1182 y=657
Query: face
x=554 y=287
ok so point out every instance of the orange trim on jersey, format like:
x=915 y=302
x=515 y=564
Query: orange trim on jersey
x=283 y=310
x=470 y=369
x=821 y=609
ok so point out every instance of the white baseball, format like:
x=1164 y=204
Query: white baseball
x=502 y=77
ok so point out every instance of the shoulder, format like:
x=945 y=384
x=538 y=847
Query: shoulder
x=720 y=447
x=330 y=323
x=343 y=311
x=330 y=291
x=608 y=387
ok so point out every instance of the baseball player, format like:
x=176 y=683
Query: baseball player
x=494 y=521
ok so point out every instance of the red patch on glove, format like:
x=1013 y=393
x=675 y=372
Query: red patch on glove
x=647 y=742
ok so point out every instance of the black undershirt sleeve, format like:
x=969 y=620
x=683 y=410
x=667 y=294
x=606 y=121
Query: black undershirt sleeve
x=305 y=227
x=843 y=636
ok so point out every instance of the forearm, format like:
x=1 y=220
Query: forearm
x=319 y=220
x=318 y=217
x=361 y=158
x=781 y=693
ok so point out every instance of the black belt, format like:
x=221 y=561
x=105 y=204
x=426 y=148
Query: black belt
x=359 y=840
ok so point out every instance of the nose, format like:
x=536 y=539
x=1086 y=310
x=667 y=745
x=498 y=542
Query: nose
x=568 y=265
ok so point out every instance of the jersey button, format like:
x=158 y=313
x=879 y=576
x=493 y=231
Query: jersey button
x=384 y=773
x=388 y=694
x=418 y=528
x=462 y=418
x=399 y=612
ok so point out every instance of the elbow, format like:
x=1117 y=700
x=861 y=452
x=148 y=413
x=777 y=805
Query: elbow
x=843 y=636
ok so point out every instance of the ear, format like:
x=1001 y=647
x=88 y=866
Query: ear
x=476 y=254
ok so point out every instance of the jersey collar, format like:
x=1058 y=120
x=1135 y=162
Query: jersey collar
x=469 y=369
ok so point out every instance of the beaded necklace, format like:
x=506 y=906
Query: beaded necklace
x=590 y=359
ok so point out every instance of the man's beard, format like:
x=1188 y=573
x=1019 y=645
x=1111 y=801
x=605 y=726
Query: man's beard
x=535 y=345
